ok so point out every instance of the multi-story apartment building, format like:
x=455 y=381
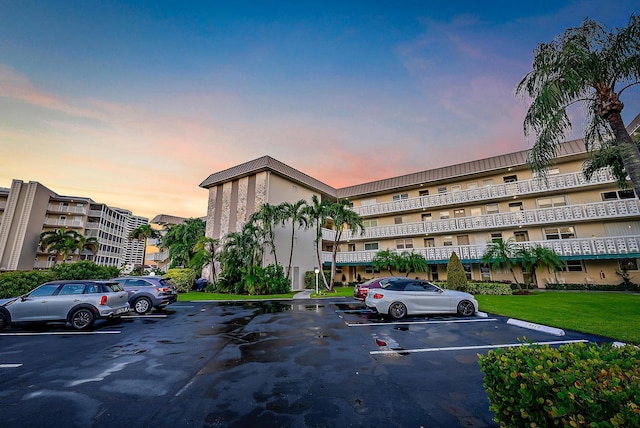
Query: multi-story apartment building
x=154 y=253
x=28 y=209
x=592 y=224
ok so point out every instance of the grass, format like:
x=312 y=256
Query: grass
x=613 y=315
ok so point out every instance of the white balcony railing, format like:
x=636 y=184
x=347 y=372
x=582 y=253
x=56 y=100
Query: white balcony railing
x=481 y=194
x=578 y=247
x=607 y=210
x=158 y=257
x=66 y=209
x=63 y=222
x=43 y=265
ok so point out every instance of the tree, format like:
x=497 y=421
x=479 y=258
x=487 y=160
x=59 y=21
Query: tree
x=296 y=214
x=413 y=262
x=589 y=65
x=343 y=217
x=205 y=254
x=266 y=217
x=385 y=260
x=142 y=233
x=536 y=257
x=181 y=239
x=65 y=242
x=456 y=276
x=317 y=214
x=500 y=254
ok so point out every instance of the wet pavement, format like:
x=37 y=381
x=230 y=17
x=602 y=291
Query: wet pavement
x=295 y=363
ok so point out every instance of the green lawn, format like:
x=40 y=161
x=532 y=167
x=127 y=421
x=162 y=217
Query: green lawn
x=614 y=315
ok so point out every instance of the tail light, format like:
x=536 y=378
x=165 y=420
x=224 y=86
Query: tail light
x=378 y=296
x=163 y=289
x=103 y=300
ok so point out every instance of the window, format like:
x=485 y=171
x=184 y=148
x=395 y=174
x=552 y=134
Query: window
x=400 y=197
x=397 y=220
x=573 y=266
x=472 y=185
x=433 y=269
x=521 y=236
x=550 y=171
x=463 y=239
x=456 y=188
x=447 y=241
x=487 y=182
x=556 y=201
x=458 y=213
x=366 y=202
x=371 y=246
x=628 y=264
x=426 y=217
x=559 y=233
x=370 y=269
x=485 y=273
x=71 y=289
x=492 y=208
x=476 y=212
x=467 y=271
x=444 y=215
x=424 y=192
x=352 y=247
x=403 y=244
x=370 y=223
x=510 y=178
x=429 y=242
x=45 y=290
x=442 y=189
x=619 y=194
x=495 y=236
x=515 y=207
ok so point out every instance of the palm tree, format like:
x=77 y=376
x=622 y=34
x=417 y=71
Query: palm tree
x=385 y=260
x=266 y=217
x=317 y=214
x=342 y=216
x=205 y=254
x=538 y=256
x=142 y=233
x=180 y=240
x=63 y=242
x=413 y=262
x=296 y=214
x=589 y=65
x=500 y=254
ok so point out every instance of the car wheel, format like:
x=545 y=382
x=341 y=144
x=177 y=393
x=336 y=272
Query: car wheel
x=142 y=305
x=4 y=319
x=82 y=319
x=397 y=310
x=466 y=308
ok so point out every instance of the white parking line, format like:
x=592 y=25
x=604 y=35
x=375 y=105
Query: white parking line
x=468 y=348
x=9 y=366
x=60 y=333
x=421 y=322
x=129 y=317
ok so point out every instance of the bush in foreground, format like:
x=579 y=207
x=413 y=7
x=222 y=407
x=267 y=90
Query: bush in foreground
x=578 y=385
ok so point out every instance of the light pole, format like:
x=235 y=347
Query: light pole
x=316 y=271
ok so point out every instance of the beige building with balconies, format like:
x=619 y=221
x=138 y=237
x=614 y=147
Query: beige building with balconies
x=591 y=224
x=28 y=209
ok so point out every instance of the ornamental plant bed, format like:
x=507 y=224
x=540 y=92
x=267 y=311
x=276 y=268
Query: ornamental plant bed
x=573 y=385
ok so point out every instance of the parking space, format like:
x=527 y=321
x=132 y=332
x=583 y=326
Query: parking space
x=270 y=363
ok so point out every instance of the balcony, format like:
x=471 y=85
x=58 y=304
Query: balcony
x=607 y=210
x=585 y=248
x=158 y=257
x=483 y=194
x=66 y=209
x=63 y=222
x=43 y=264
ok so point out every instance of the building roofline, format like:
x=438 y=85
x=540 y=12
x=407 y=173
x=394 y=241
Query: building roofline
x=267 y=163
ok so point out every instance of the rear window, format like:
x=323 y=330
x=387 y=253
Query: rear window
x=167 y=282
x=113 y=286
x=394 y=285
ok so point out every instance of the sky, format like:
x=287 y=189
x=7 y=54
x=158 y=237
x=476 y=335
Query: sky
x=135 y=103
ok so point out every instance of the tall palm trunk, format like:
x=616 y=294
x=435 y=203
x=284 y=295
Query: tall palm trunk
x=627 y=148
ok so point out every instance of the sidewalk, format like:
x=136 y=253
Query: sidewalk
x=305 y=294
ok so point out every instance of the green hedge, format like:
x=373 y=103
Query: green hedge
x=16 y=283
x=492 y=288
x=578 y=385
x=594 y=287
x=183 y=278
x=310 y=279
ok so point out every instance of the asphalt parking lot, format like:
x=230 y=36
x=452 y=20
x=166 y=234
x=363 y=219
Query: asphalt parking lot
x=299 y=363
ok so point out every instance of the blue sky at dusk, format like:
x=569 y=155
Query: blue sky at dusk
x=135 y=103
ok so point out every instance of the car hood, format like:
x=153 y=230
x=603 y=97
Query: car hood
x=460 y=294
x=3 y=302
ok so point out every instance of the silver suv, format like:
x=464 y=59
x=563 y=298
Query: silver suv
x=148 y=292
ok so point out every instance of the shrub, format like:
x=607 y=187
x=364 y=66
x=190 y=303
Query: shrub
x=310 y=279
x=594 y=287
x=489 y=288
x=182 y=277
x=456 y=276
x=16 y=283
x=84 y=270
x=573 y=385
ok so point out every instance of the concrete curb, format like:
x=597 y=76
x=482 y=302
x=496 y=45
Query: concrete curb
x=537 y=327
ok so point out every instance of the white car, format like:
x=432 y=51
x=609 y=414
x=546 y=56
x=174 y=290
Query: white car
x=418 y=297
x=78 y=302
